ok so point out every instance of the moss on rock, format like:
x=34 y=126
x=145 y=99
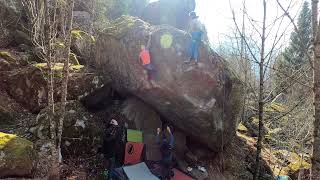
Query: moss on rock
x=17 y=156
x=7 y=56
x=59 y=66
x=120 y=27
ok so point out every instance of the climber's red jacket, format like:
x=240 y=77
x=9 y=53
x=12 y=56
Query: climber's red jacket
x=145 y=57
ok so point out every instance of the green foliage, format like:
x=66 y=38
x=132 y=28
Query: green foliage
x=294 y=54
x=293 y=58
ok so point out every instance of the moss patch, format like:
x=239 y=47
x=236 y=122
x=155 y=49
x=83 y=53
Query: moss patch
x=120 y=27
x=242 y=128
x=17 y=156
x=7 y=56
x=275 y=107
x=58 y=66
x=295 y=162
x=4 y=62
x=73 y=59
x=79 y=34
x=5 y=138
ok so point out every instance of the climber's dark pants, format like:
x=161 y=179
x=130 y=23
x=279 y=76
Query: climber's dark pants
x=150 y=70
x=111 y=163
x=166 y=169
x=194 y=45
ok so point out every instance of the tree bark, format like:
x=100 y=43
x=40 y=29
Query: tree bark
x=261 y=92
x=315 y=171
x=54 y=173
x=65 y=56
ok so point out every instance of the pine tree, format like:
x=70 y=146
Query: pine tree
x=294 y=54
x=294 y=57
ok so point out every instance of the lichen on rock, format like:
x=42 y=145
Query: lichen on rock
x=17 y=156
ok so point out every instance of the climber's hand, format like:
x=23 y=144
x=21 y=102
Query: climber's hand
x=158 y=131
x=168 y=129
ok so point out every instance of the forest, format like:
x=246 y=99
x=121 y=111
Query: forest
x=144 y=89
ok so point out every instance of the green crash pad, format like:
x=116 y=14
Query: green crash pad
x=134 y=136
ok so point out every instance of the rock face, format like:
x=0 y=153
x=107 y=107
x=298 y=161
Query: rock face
x=11 y=19
x=82 y=132
x=202 y=100
x=17 y=157
x=27 y=85
x=8 y=10
x=82 y=41
x=172 y=12
x=143 y=118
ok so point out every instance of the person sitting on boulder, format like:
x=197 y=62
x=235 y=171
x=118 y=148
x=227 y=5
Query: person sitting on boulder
x=166 y=147
x=146 y=58
x=196 y=30
x=112 y=144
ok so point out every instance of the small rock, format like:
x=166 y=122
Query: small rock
x=67 y=143
x=46 y=147
x=80 y=123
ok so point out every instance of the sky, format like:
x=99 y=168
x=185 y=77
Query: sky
x=217 y=16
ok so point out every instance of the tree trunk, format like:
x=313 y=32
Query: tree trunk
x=315 y=171
x=65 y=56
x=54 y=173
x=261 y=90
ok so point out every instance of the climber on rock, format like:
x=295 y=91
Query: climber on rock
x=196 y=30
x=145 y=57
x=166 y=146
x=112 y=144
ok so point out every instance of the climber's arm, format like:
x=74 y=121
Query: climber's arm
x=140 y=59
x=157 y=137
x=171 y=140
x=149 y=41
x=190 y=27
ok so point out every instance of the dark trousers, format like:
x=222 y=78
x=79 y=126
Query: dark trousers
x=166 y=171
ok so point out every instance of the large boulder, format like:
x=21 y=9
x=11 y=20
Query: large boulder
x=9 y=13
x=172 y=12
x=82 y=130
x=82 y=40
x=28 y=85
x=12 y=19
x=17 y=156
x=203 y=101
